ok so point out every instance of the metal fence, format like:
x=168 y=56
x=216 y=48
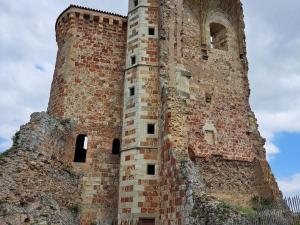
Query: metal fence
x=294 y=204
x=287 y=214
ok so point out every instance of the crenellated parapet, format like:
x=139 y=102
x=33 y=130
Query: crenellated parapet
x=77 y=17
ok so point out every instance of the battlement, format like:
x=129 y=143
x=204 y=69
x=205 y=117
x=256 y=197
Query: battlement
x=74 y=16
x=90 y=14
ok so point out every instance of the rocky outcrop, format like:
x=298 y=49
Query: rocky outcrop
x=38 y=210
x=36 y=187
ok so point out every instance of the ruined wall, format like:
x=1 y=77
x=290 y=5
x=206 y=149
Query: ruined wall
x=176 y=171
x=219 y=100
x=246 y=179
x=36 y=185
x=206 y=114
x=220 y=119
x=88 y=87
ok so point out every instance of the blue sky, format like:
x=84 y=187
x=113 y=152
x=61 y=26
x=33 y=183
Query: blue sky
x=28 y=51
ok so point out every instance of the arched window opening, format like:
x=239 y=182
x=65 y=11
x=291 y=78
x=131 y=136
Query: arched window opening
x=81 y=148
x=116 y=147
x=218 y=36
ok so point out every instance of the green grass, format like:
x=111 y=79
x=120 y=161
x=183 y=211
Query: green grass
x=223 y=206
x=246 y=211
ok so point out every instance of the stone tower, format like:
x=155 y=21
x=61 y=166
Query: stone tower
x=160 y=103
x=139 y=167
x=88 y=88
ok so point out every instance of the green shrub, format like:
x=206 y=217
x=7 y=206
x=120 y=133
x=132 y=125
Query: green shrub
x=246 y=211
x=75 y=208
x=262 y=203
x=15 y=139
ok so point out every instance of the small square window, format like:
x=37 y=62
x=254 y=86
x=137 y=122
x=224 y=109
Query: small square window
x=151 y=169
x=132 y=91
x=151 y=31
x=208 y=98
x=135 y=2
x=133 y=60
x=151 y=129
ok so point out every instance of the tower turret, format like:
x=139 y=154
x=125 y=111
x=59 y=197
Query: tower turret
x=139 y=170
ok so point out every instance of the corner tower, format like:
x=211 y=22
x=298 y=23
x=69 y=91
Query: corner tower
x=88 y=88
x=139 y=170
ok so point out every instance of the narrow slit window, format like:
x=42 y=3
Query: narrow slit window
x=132 y=91
x=133 y=60
x=81 y=148
x=151 y=128
x=208 y=98
x=218 y=36
x=116 y=147
x=151 y=31
x=135 y=2
x=151 y=169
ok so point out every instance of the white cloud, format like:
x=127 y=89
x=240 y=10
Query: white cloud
x=272 y=150
x=274 y=55
x=291 y=185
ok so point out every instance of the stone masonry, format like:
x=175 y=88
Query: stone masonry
x=158 y=113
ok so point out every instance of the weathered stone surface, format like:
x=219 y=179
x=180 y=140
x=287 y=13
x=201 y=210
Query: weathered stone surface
x=212 y=125
x=35 y=183
x=39 y=210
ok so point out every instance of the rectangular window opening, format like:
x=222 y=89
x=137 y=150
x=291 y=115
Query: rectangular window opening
x=132 y=91
x=208 y=98
x=135 y=2
x=133 y=60
x=81 y=148
x=151 y=129
x=151 y=169
x=151 y=31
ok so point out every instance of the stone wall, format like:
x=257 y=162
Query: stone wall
x=206 y=114
x=220 y=120
x=219 y=92
x=245 y=182
x=88 y=87
x=139 y=191
x=35 y=183
x=177 y=173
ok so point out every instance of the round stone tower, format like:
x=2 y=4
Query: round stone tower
x=88 y=88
